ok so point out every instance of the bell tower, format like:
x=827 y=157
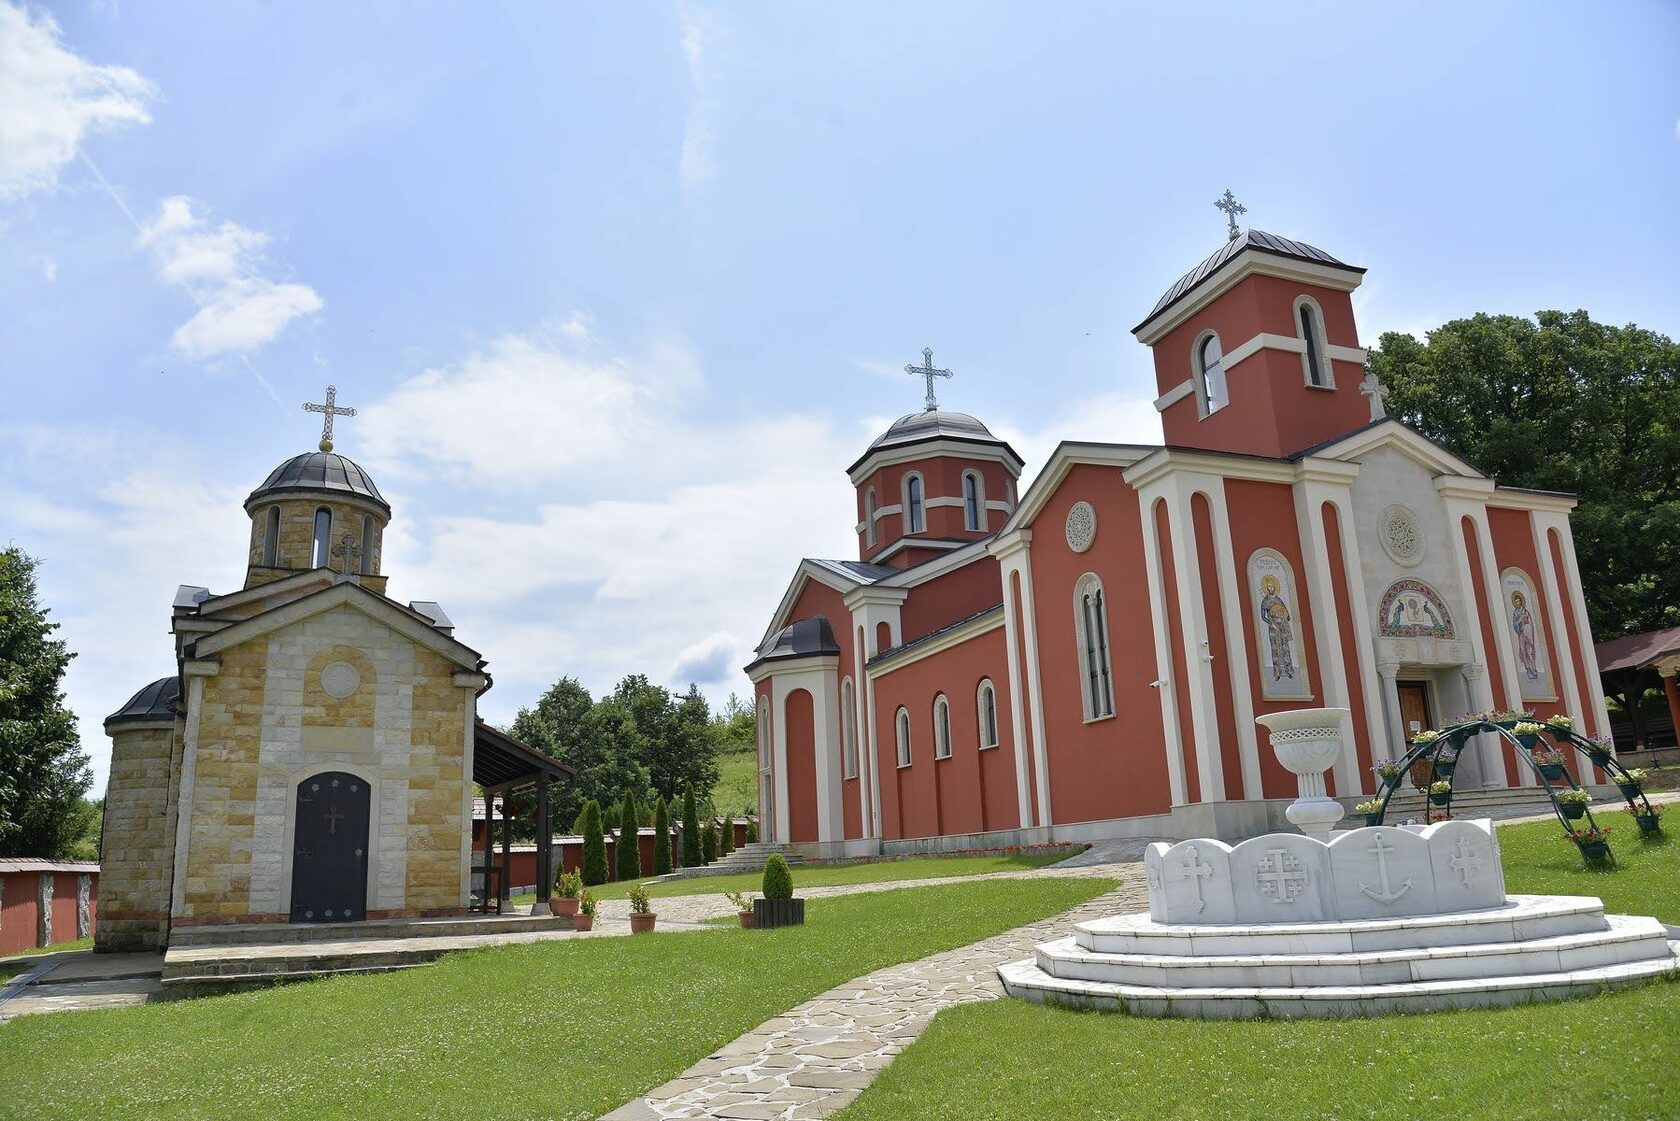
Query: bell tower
x=1256 y=350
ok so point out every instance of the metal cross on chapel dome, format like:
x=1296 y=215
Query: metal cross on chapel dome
x=1229 y=204
x=331 y=409
x=926 y=370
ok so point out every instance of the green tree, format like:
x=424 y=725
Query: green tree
x=752 y=831
x=43 y=771
x=555 y=726
x=690 y=830
x=608 y=755
x=661 y=838
x=778 y=880
x=1560 y=402
x=708 y=841
x=726 y=835
x=629 y=845
x=594 y=845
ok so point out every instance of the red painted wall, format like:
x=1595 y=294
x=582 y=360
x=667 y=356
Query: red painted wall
x=20 y=911
x=1363 y=779
x=941 y=478
x=820 y=599
x=1577 y=642
x=957 y=594
x=1114 y=767
x=1503 y=698
x=798 y=722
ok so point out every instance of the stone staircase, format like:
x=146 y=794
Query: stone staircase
x=747 y=858
x=1532 y=948
x=1496 y=802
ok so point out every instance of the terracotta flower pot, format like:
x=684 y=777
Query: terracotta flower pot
x=642 y=923
x=746 y=918
x=581 y=921
x=562 y=908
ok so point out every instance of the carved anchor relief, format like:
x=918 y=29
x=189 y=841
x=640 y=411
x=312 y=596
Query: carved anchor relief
x=1380 y=849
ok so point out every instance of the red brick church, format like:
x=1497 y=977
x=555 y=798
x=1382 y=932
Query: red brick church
x=1086 y=658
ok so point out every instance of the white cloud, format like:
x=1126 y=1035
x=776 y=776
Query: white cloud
x=239 y=309
x=49 y=269
x=51 y=99
x=697 y=162
x=708 y=661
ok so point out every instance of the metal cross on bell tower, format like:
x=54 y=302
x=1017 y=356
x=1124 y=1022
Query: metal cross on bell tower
x=331 y=410
x=926 y=370
x=1229 y=204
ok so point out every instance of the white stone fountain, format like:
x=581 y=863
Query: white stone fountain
x=1366 y=922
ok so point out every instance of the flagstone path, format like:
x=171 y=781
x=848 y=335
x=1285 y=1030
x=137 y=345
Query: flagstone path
x=812 y=1060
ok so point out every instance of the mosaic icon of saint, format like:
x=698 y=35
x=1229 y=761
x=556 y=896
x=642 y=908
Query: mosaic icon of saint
x=1274 y=614
x=1522 y=622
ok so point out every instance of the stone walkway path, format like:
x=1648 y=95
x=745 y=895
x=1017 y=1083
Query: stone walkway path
x=812 y=1060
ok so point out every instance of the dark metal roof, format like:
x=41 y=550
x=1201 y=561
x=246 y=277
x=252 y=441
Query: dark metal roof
x=803 y=639
x=155 y=702
x=861 y=571
x=1249 y=239
x=318 y=471
x=920 y=640
x=933 y=424
x=500 y=761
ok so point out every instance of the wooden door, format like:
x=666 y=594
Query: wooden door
x=1414 y=708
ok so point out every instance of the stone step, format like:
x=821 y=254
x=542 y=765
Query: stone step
x=1522 y=917
x=447 y=927
x=1025 y=979
x=1628 y=938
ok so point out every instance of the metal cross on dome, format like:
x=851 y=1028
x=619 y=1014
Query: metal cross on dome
x=331 y=409
x=1229 y=204
x=926 y=370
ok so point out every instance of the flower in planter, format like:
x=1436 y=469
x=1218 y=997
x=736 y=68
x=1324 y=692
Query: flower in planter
x=1388 y=768
x=1588 y=836
x=1634 y=775
x=1548 y=757
x=1655 y=809
x=1372 y=806
x=1426 y=737
x=1440 y=786
x=1527 y=728
x=1560 y=723
x=1580 y=796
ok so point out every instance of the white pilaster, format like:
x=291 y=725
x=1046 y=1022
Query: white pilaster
x=1311 y=494
x=1012 y=557
x=1181 y=488
x=1173 y=736
x=1239 y=677
x=1583 y=627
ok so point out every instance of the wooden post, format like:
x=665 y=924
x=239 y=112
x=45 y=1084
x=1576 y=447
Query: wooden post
x=545 y=847
x=489 y=844
x=505 y=889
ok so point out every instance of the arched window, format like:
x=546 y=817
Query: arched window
x=763 y=734
x=901 y=730
x=367 y=545
x=1091 y=622
x=985 y=704
x=271 y=538
x=974 y=501
x=323 y=536
x=915 y=517
x=941 y=727
x=869 y=517
x=848 y=728
x=1210 y=374
x=1309 y=318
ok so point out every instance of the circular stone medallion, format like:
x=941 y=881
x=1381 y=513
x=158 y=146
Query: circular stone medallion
x=340 y=679
x=1081 y=526
x=1401 y=535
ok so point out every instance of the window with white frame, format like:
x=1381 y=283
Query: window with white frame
x=915 y=516
x=974 y=501
x=848 y=728
x=323 y=536
x=985 y=707
x=271 y=538
x=1091 y=623
x=941 y=727
x=901 y=732
x=763 y=734
x=869 y=508
x=1211 y=390
x=1309 y=320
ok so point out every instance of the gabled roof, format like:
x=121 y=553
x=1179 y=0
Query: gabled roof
x=249 y=601
x=500 y=761
x=1258 y=240
x=1637 y=650
x=1391 y=432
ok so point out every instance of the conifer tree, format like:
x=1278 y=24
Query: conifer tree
x=629 y=844
x=661 y=838
x=752 y=831
x=690 y=831
x=709 y=841
x=726 y=836
x=594 y=845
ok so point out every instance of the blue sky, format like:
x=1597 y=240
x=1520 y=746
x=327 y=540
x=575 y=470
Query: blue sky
x=621 y=289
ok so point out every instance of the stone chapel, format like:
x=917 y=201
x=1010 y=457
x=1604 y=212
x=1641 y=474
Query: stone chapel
x=313 y=756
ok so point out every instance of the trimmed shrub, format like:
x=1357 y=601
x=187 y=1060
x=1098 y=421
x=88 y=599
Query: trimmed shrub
x=752 y=832
x=778 y=881
x=726 y=836
x=690 y=831
x=629 y=845
x=708 y=842
x=661 y=838
x=594 y=845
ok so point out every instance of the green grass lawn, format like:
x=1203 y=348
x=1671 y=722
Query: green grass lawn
x=548 y=1030
x=825 y=875
x=736 y=791
x=1607 y=1056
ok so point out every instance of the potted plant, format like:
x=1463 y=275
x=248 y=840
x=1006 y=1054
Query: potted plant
x=1598 y=749
x=1422 y=738
x=1373 y=811
x=1593 y=843
x=778 y=907
x=1561 y=727
x=1550 y=761
x=1440 y=791
x=1389 y=770
x=1446 y=760
x=564 y=903
x=1632 y=781
x=585 y=918
x=1647 y=817
x=1527 y=733
x=1573 y=802
x=742 y=901
x=641 y=913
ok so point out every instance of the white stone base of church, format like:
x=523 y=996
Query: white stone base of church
x=1533 y=947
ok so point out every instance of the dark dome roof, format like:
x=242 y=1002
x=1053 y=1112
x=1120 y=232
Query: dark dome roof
x=155 y=702
x=318 y=471
x=799 y=640
x=932 y=424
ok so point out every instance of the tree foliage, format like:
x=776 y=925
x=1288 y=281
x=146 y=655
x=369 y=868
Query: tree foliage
x=726 y=835
x=629 y=845
x=43 y=770
x=708 y=841
x=661 y=838
x=778 y=880
x=690 y=830
x=594 y=845
x=1560 y=402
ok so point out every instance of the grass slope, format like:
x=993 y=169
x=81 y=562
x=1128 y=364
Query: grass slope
x=736 y=791
x=1608 y=1056
x=556 y=1030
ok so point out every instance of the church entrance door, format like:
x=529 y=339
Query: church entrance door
x=1414 y=708
x=329 y=848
